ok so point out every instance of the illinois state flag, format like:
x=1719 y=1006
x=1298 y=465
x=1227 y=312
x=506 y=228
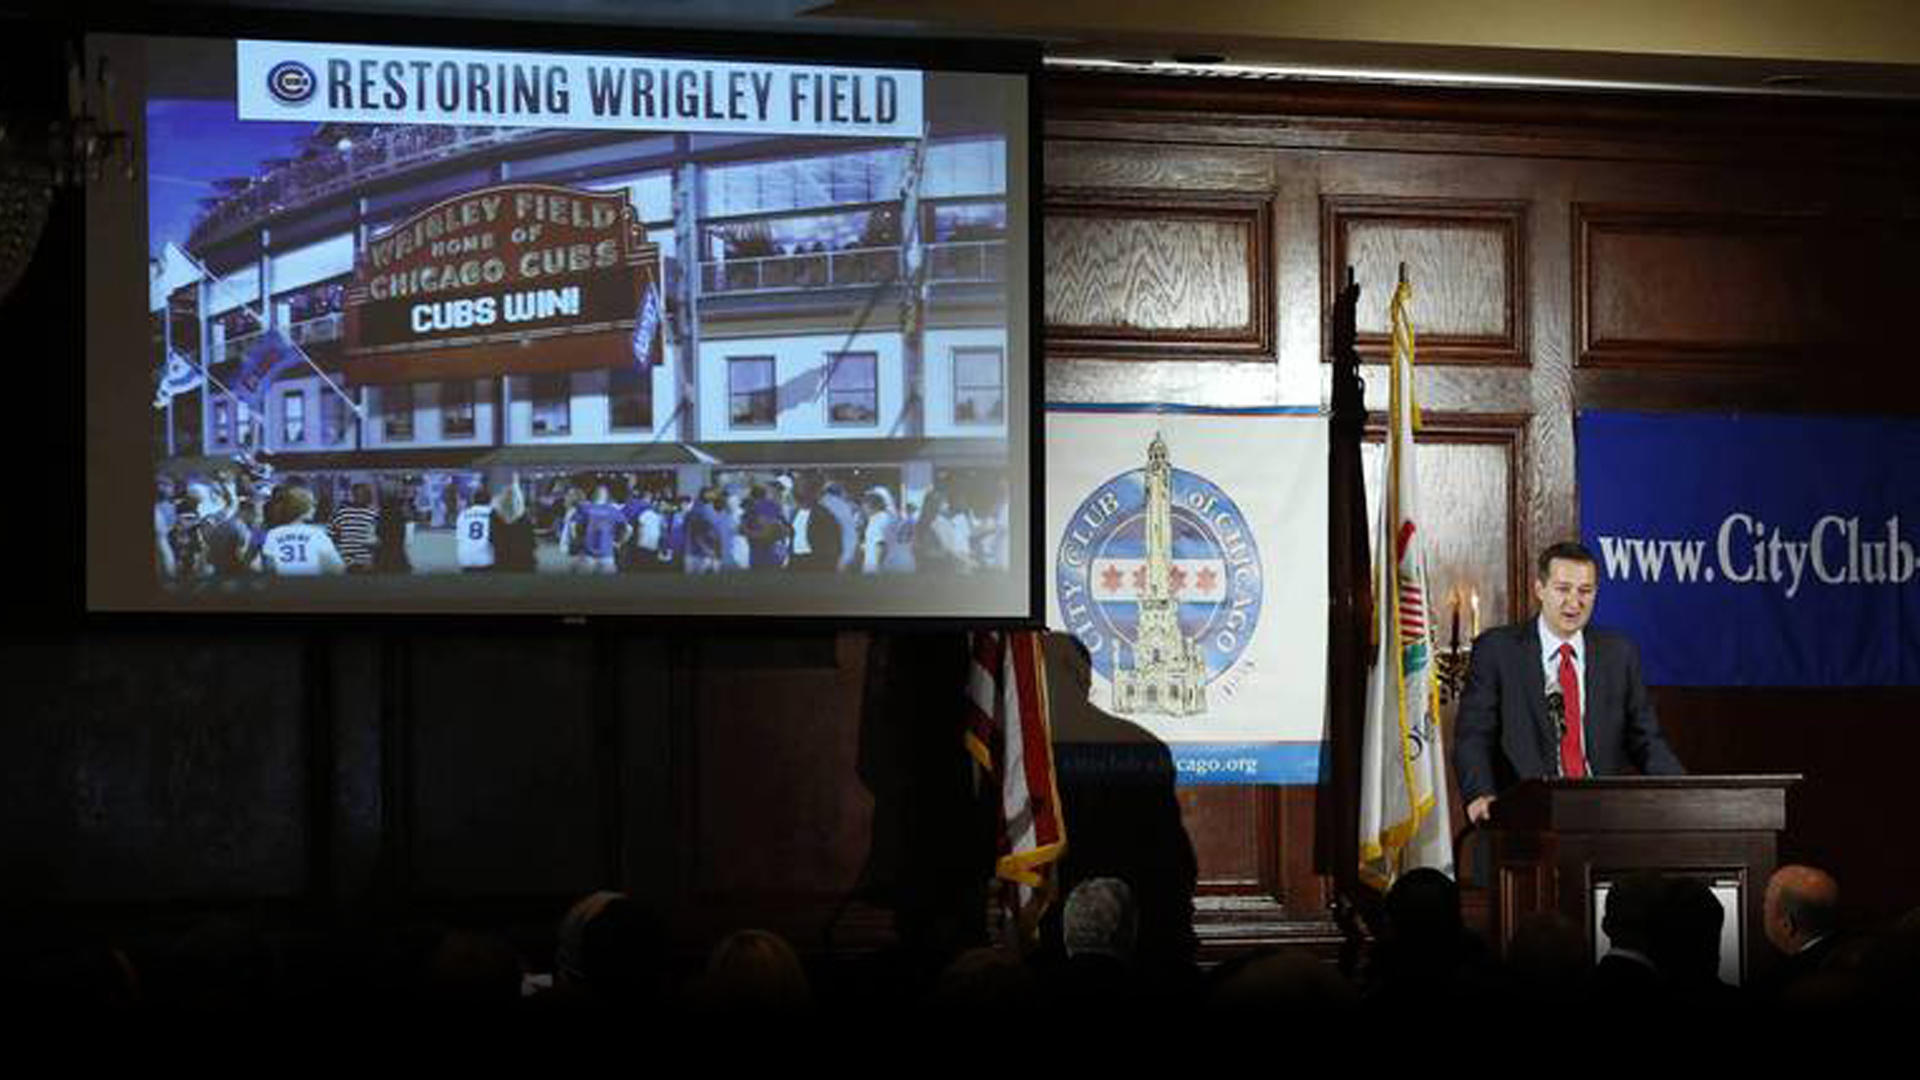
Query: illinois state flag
x=1403 y=791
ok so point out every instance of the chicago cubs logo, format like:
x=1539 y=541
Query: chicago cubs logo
x=1157 y=572
x=291 y=82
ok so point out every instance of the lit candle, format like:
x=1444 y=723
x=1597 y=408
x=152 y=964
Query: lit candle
x=1474 y=601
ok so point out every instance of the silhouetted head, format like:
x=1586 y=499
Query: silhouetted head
x=1686 y=930
x=468 y=972
x=754 y=971
x=611 y=947
x=1281 y=983
x=1423 y=907
x=221 y=966
x=1631 y=903
x=1099 y=919
x=986 y=981
x=1802 y=905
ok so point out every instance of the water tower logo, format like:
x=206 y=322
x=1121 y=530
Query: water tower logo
x=1157 y=572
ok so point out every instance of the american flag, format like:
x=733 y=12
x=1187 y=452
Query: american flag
x=1009 y=738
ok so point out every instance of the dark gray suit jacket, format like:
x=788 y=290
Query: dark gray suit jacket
x=1503 y=734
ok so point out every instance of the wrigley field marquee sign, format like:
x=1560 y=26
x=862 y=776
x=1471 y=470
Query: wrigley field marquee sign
x=511 y=279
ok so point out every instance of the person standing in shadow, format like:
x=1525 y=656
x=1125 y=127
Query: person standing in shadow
x=1116 y=786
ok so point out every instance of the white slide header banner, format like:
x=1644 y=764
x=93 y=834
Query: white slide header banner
x=380 y=84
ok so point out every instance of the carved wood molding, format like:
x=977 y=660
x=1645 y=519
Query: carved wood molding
x=1249 y=215
x=1585 y=125
x=1506 y=345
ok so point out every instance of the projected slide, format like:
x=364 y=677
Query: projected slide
x=443 y=330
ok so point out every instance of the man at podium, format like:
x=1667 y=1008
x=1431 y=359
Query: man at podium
x=1552 y=696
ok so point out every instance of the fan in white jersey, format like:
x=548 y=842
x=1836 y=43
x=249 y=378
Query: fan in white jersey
x=298 y=548
x=473 y=533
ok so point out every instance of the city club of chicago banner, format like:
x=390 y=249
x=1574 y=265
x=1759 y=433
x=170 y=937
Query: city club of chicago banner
x=1187 y=549
x=1757 y=550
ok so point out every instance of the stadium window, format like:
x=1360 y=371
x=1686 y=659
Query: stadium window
x=955 y=222
x=965 y=167
x=456 y=410
x=396 y=412
x=979 y=386
x=186 y=423
x=752 y=401
x=222 y=422
x=293 y=418
x=756 y=187
x=333 y=418
x=552 y=405
x=630 y=399
x=853 y=394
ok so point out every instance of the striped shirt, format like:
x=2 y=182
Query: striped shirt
x=353 y=534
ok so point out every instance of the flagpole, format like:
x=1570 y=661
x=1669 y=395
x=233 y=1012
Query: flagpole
x=358 y=412
x=166 y=360
x=260 y=318
x=1348 y=612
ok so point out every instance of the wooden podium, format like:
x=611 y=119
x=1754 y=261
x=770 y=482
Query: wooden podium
x=1558 y=844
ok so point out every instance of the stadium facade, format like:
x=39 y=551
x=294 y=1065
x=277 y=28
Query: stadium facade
x=831 y=304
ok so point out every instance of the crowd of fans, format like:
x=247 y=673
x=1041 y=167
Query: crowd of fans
x=231 y=526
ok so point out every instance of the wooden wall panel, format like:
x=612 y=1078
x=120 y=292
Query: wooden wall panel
x=1658 y=288
x=1230 y=837
x=353 y=726
x=1134 y=275
x=1703 y=289
x=778 y=818
x=1471 y=471
x=1854 y=749
x=651 y=726
x=1465 y=259
x=1121 y=275
x=154 y=768
x=503 y=796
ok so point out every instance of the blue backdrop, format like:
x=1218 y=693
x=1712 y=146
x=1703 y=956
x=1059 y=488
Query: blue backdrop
x=1757 y=550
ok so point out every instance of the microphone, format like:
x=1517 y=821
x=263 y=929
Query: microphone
x=1557 y=712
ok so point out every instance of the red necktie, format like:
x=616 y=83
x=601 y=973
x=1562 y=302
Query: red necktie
x=1573 y=761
